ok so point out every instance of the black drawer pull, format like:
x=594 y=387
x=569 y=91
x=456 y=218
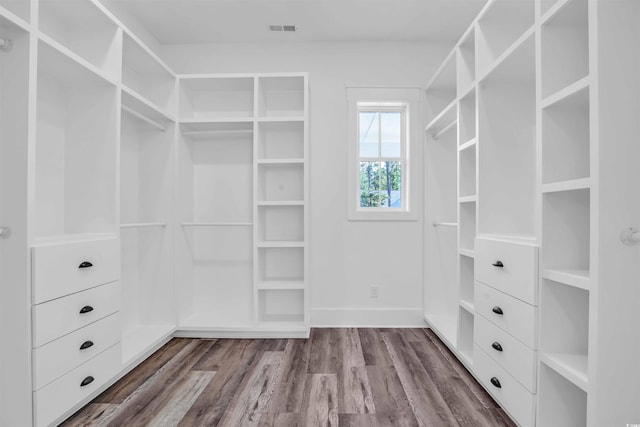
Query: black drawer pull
x=86 y=309
x=497 y=310
x=498 y=264
x=496 y=382
x=496 y=346
x=85 y=345
x=90 y=379
x=85 y=264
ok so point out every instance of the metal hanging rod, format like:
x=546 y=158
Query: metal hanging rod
x=144 y=118
x=216 y=224
x=444 y=129
x=445 y=224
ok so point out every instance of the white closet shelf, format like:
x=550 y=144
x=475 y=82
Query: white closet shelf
x=143 y=224
x=553 y=10
x=73 y=238
x=443 y=119
x=217 y=224
x=469 y=253
x=281 y=244
x=468 y=306
x=445 y=326
x=573 y=367
x=570 y=185
x=577 y=278
x=279 y=161
x=266 y=119
x=281 y=203
x=281 y=285
x=468 y=199
x=566 y=92
x=142 y=105
x=469 y=144
x=215 y=120
x=74 y=58
x=9 y=19
x=523 y=39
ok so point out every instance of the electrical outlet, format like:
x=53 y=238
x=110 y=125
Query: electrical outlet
x=374 y=291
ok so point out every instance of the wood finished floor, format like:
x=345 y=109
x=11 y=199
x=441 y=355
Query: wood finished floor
x=346 y=377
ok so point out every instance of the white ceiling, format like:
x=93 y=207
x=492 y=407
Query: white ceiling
x=228 y=21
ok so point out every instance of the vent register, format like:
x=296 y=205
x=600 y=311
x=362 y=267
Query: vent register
x=284 y=28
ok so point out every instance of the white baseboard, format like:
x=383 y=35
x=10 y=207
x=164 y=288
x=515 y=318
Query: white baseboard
x=368 y=317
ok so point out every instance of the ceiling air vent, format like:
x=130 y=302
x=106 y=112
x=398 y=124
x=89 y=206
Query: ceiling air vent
x=286 y=28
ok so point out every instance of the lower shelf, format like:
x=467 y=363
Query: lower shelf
x=573 y=367
x=445 y=326
x=201 y=325
x=141 y=340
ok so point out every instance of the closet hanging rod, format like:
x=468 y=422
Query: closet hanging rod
x=144 y=118
x=445 y=224
x=445 y=129
x=144 y=224
x=215 y=132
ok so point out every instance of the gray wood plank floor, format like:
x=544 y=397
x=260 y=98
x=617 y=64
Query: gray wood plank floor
x=346 y=377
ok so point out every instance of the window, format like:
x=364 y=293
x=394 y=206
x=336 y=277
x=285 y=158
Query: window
x=381 y=146
x=381 y=123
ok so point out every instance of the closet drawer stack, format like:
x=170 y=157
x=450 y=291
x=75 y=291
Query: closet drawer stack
x=505 y=331
x=76 y=323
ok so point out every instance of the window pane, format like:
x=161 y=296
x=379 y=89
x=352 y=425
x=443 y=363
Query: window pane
x=391 y=126
x=391 y=184
x=369 y=184
x=369 y=134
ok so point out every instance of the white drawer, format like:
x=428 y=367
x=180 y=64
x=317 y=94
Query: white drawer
x=63 y=394
x=510 y=394
x=509 y=267
x=53 y=360
x=518 y=318
x=56 y=318
x=518 y=359
x=64 y=269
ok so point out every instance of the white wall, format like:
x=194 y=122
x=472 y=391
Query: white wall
x=346 y=257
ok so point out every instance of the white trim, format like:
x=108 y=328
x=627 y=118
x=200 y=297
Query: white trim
x=410 y=317
x=390 y=96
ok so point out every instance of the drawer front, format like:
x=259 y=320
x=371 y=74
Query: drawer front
x=518 y=359
x=517 y=318
x=60 y=270
x=63 y=394
x=511 y=395
x=517 y=275
x=53 y=360
x=56 y=318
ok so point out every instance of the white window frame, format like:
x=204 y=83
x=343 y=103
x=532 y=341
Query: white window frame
x=385 y=99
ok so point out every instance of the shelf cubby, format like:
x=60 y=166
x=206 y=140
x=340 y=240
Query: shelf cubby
x=500 y=27
x=281 y=96
x=465 y=335
x=467 y=119
x=565 y=47
x=280 y=182
x=441 y=90
x=466 y=66
x=280 y=265
x=507 y=148
x=560 y=402
x=466 y=279
x=216 y=98
x=467 y=165
x=144 y=74
x=565 y=138
x=281 y=223
x=281 y=305
x=281 y=140
x=467 y=223
x=20 y=8
x=75 y=179
x=564 y=330
x=83 y=28
x=565 y=231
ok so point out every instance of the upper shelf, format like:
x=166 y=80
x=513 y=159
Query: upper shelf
x=207 y=98
x=16 y=11
x=441 y=90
